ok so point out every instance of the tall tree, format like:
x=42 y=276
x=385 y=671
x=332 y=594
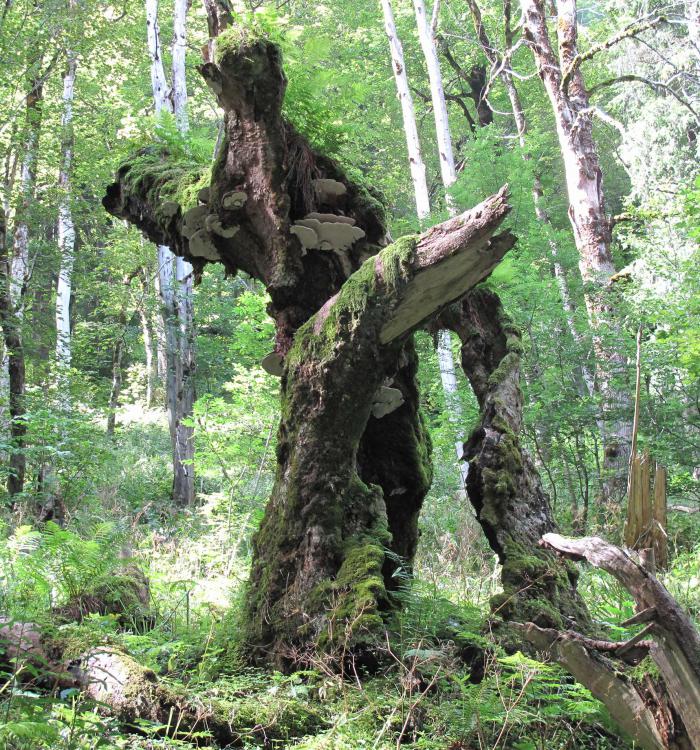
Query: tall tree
x=565 y=87
x=175 y=275
x=420 y=185
x=448 y=173
x=16 y=278
x=66 y=226
x=502 y=64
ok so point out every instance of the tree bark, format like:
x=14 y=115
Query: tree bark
x=175 y=273
x=348 y=484
x=183 y=483
x=591 y=226
x=420 y=186
x=329 y=520
x=502 y=482
x=66 y=227
x=16 y=277
x=14 y=352
x=147 y=335
x=437 y=95
x=448 y=173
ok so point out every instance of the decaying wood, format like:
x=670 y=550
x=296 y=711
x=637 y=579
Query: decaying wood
x=340 y=496
x=676 y=646
x=349 y=484
x=601 y=677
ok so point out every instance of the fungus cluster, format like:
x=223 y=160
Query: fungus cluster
x=199 y=225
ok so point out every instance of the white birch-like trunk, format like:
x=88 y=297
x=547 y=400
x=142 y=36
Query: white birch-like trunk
x=420 y=185
x=183 y=488
x=175 y=274
x=66 y=227
x=590 y=224
x=437 y=95
x=179 y=88
x=448 y=174
x=455 y=414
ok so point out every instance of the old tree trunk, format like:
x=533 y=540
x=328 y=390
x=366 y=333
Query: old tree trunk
x=353 y=456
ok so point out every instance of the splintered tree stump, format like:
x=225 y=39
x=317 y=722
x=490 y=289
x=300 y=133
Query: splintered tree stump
x=335 y=508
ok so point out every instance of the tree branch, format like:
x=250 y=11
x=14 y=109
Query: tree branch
x=580 y=58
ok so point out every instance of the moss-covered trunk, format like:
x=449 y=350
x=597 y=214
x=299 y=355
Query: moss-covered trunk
x=353 y=456
x=502 y=482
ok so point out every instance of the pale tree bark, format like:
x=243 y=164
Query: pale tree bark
x=417 y=167
x=183 y=487
x=175 y=276
x=448 y=173
x=66 y=226
x=563 y=82
x=501 y=63
x=437 y=95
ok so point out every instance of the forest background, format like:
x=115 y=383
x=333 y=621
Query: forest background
x=88 y=469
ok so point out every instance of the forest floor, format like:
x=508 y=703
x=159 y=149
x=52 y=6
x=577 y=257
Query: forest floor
x=429 y=690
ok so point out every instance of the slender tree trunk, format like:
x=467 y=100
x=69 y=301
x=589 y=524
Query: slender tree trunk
x=449 y=175
x=117 y=356
x=183 y=485
x=159 y=328
x=179 y=48
x=420 y=186
x=503 y=66
x=437 y=95
x=66 y=227
x=147 y=335
x=17 y=278
x=11 y=328
x=565 y=87
x=175 y=274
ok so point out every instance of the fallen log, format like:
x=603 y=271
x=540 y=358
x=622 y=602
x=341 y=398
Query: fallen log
x=657 y=714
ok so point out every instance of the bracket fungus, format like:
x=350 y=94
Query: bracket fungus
x=193 y=221
x=328 y=190
x=213 y=224
x=331 y=217
x=386 y=400
x=201 y=246
x=234 y=200
x=307 y=237
x=273 y=363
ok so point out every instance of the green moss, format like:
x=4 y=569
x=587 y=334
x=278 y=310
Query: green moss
x=647 y=667
x=506 y=366
x=239 y=36
x=314 y=342
x=156 y=178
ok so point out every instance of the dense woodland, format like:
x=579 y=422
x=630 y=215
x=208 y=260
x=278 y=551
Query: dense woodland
x=350 y=374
